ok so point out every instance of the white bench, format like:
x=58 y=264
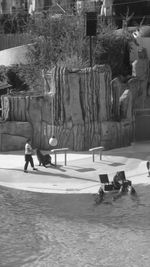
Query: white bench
x=58 y=151
x=95 y=149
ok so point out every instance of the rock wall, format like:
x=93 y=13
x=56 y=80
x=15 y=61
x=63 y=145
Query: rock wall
x=75 y=106
x=13 y=135
x=125 y=97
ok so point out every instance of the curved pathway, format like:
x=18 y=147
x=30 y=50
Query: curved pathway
x=80 y=175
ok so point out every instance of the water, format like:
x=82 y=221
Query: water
x=45 y=230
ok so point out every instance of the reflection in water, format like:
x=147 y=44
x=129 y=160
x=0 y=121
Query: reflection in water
x=69 y=230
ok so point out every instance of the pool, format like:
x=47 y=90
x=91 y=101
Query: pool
x=43 y=230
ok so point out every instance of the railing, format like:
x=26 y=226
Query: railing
x=95 y=149
x=58 y=151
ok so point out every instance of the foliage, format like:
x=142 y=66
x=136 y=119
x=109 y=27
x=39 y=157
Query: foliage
x=61 y=40
x=19 y=76
x=138 y=7
x=57 y=39
x=114 y=50
x=3 y=75
x=73 y=62
x=14 y=23
x=16 y=78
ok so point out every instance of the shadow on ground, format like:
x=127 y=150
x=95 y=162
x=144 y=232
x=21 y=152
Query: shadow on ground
x=51 y=174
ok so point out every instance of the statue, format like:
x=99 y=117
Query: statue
x=126 y=106
x=125 y=92
x=140 y=69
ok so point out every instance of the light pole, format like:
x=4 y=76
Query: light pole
x=91 y=27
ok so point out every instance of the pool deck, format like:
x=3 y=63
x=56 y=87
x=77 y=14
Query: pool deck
x=80 y=175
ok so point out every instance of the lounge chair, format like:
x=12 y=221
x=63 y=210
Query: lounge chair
x=105 y=183
x=122 y=177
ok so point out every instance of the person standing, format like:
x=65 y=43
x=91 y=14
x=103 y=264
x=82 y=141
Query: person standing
x=28 y=155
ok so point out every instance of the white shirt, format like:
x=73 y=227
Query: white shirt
x=28 y=149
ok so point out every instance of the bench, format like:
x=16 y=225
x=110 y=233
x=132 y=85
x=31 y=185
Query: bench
x=58 y=151
x=95 y=149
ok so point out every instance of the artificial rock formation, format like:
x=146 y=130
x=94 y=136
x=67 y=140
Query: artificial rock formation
x=125 y=94
x=76 y=106
x=13 y=135
x=140 y=69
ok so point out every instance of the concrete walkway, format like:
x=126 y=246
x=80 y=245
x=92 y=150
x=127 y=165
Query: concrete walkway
x=81 y=173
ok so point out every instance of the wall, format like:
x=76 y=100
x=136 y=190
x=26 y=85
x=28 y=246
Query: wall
x=13 y=40
x=13 y=135
x=15 y=55
x=75 y=106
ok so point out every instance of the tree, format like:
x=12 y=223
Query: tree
x=138 y=7
x=60 y=40
x=56 y=39
x=115 y=51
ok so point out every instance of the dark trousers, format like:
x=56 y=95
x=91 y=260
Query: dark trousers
x=28 y=158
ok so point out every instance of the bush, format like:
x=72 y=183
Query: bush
x=3 y=74
x=56 y=39
x=14 y=23
x=115 y=51
x=14 y=75
x=62 y=40
x=15 y=80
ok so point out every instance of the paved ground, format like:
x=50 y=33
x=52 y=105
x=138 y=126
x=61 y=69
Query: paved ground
x=81 y=173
